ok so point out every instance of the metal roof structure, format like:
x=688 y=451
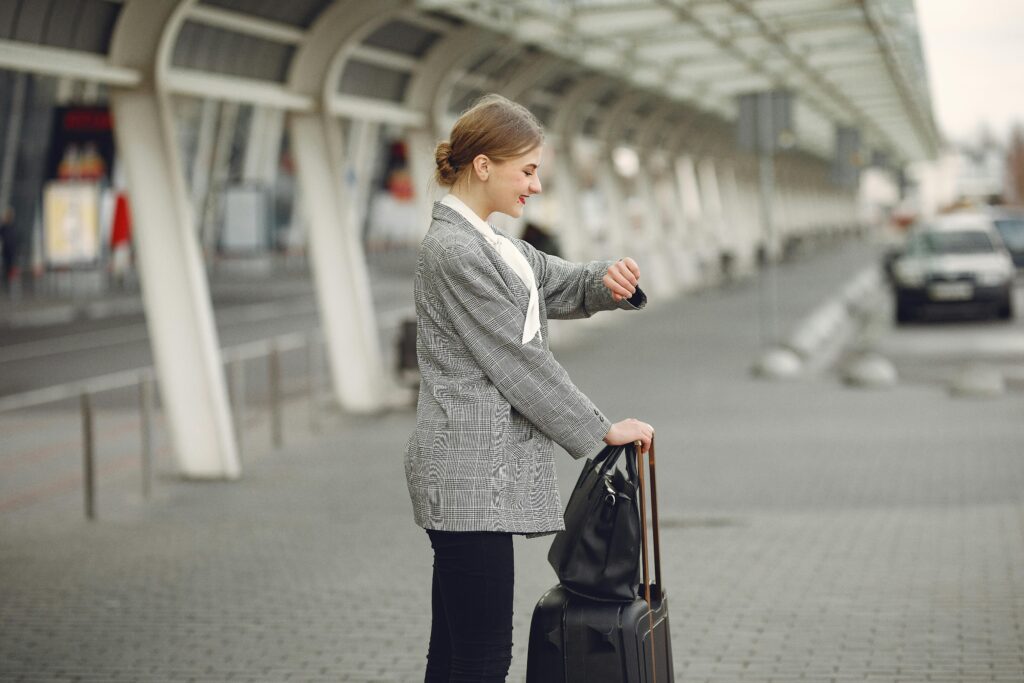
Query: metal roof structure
x=855 y=63
x=850 y=63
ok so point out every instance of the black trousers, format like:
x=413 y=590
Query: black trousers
x=471 y=624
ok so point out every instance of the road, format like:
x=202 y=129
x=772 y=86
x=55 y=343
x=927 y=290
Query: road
x=33 y=357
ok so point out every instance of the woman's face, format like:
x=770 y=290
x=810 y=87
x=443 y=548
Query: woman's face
x=512 y=182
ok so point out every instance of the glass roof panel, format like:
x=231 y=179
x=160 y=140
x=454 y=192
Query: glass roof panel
x=294 y=12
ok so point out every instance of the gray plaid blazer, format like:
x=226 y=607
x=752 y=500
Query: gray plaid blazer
x=491 y=408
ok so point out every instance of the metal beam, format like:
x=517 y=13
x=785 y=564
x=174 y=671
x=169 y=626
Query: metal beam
x=234 y=89
x=53 y=61
x=369 y=109
x=246 y=23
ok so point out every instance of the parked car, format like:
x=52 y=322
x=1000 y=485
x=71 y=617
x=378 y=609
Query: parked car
x=953 y=260
x=1010 y=224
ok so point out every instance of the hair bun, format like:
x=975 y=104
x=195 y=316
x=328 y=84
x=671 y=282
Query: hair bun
x=447 y=172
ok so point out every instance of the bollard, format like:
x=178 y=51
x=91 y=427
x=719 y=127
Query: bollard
x=88 y=452
x=274 y=387
x=146 y=418
x=238 y=402
x=314 y=415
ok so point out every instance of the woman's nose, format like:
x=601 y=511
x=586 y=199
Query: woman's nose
x=535 y=187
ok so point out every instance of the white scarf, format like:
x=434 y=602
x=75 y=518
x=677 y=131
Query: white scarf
x=512 y=256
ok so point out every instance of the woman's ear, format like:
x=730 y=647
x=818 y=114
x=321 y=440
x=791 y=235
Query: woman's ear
x=481 y=166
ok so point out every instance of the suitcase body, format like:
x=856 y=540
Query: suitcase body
x=576 y=640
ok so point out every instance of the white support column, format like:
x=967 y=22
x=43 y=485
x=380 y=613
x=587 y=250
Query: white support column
x=653 y=239
x=216 y=175
x=714 y=228
x=364 y=145
x=339 y=267
x=566 y=126
x=609 y=133
x=732 y=214
x=202 y=164
x=686 y=171
x=264 y=145
x=659 y=194
x=335 y=251
x=751 y=233
x=421 y=167
x=570 y=229
x=177 y=299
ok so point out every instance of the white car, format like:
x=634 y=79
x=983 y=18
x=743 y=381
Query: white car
x=953 y=260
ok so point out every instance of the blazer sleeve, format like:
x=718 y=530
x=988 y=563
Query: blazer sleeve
x=489 y=322
x=575 y=290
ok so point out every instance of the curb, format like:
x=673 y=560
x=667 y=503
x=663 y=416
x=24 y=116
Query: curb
x=819 y=337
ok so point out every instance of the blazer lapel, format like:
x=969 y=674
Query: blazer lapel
x=512 y=280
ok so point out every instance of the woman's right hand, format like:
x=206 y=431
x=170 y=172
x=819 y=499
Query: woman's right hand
x=628 y=431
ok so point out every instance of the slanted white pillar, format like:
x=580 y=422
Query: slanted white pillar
x=335 y=251
x=686 y=171
x=714 y=228
x=365 y=143
x=174 y=286
x=566 y=125
x=653 y=238
x=570 y=231
x=262 y=152
x=339 y=266
x=202 y=164
x=421 y=167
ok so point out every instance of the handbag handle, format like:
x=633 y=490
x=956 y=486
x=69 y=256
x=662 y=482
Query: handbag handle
x=609 y=457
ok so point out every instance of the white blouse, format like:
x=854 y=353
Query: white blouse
x=512 y=256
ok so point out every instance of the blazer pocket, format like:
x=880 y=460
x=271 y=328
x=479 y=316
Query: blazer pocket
x=472 y=432
x=518 y=473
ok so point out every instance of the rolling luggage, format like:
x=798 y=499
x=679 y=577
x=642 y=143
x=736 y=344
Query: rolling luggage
x=574 y=639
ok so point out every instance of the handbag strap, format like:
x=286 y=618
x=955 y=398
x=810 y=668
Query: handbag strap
x=607 y=458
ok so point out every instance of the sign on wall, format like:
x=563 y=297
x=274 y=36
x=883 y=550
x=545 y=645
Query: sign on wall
x=71 y=229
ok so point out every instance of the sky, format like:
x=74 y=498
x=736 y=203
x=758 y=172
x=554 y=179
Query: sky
x=974 y=51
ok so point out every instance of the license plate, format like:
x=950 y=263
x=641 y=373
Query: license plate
x=951 y=291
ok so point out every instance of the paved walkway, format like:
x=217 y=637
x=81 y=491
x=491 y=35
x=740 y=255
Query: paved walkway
x=813 y=532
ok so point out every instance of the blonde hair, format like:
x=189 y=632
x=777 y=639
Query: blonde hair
x=495 y=126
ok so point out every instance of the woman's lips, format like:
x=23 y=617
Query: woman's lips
x=522 y=200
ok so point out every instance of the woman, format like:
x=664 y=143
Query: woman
x=493 y=400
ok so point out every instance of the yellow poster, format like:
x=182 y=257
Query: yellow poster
x=71 y=214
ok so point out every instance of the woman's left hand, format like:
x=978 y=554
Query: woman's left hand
x=621 y=278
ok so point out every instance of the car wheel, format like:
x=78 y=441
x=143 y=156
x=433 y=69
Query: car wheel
x=1005 y=311
x=904 y=312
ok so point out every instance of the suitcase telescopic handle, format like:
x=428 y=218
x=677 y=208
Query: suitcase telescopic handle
x=654 y=519
x=643 y=542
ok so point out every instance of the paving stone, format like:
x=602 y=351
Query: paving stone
x=810 y=533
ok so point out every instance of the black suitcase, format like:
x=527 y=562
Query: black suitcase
x=574 y=639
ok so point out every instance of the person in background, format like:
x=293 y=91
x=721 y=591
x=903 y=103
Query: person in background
x=540 y=239
x=8 y=247
x=493 y=400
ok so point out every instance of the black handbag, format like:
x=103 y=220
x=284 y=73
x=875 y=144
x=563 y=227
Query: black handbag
x=598 y=554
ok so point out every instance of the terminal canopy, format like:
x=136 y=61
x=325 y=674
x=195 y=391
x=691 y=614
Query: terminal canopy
x=851 y=64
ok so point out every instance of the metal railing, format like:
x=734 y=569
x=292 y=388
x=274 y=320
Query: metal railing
x=235 y=358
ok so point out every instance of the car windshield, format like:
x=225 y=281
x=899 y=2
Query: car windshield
x=956 y=242
x=1012 y=230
